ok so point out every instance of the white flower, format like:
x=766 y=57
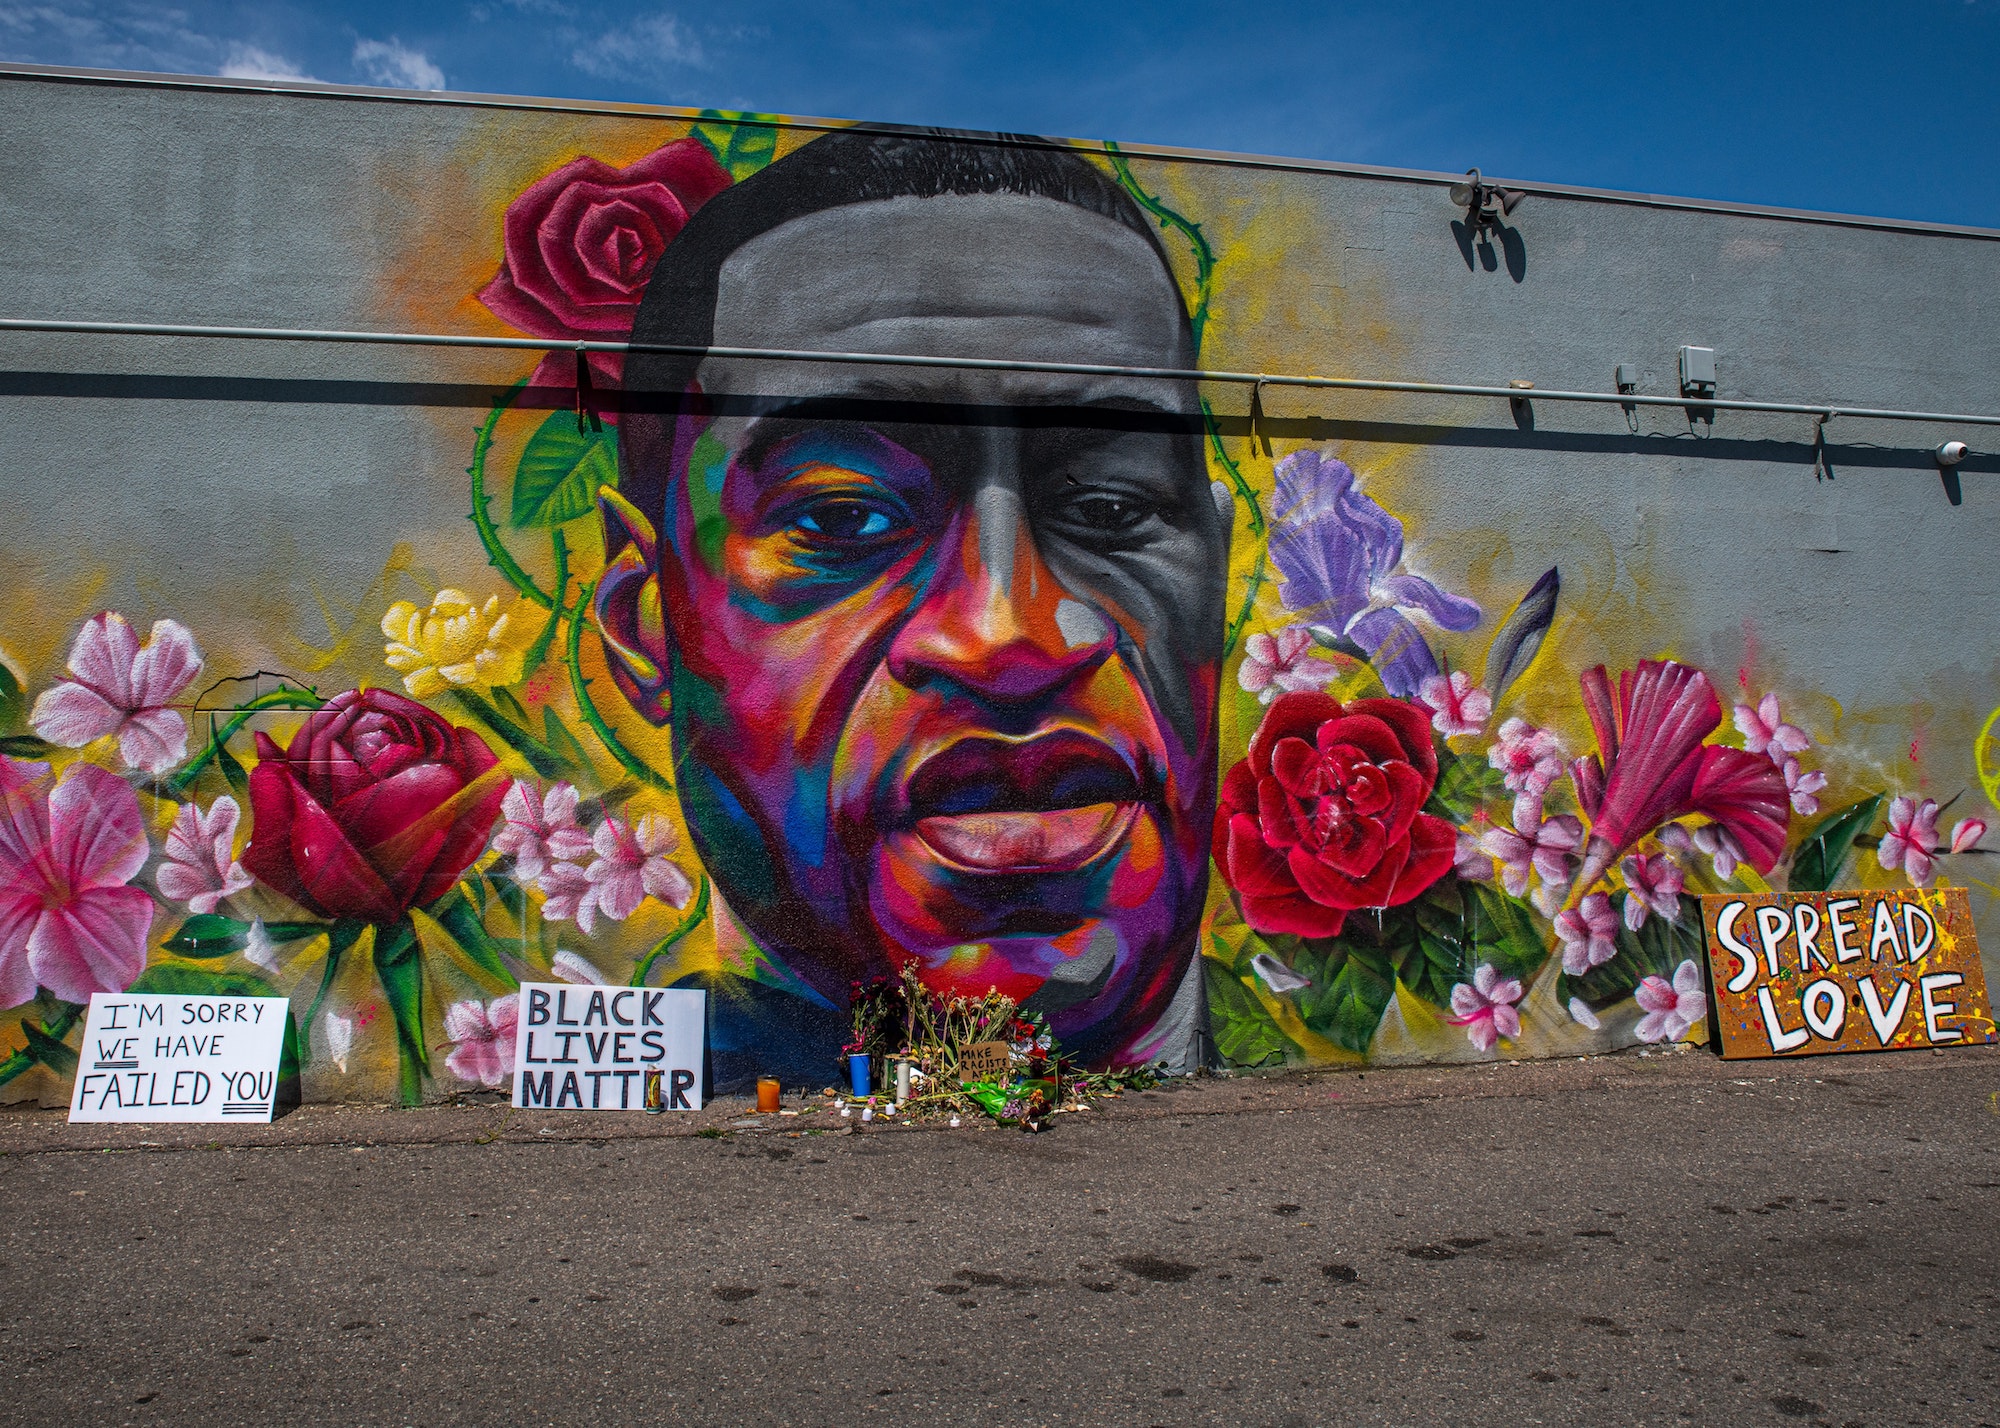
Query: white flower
x=339 y=1039
x=569 y=967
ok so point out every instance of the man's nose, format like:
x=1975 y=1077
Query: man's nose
x=994 y=621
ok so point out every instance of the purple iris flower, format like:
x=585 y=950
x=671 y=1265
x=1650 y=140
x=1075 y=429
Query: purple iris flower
x=1338 y=552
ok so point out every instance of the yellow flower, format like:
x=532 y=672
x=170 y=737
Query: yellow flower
x=455 y=642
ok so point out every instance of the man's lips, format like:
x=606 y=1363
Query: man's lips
x=1053 y=803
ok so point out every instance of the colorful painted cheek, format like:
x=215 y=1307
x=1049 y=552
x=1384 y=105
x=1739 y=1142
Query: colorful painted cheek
x=1138 y=874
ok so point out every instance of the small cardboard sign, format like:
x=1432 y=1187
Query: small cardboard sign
x=152 y=1057
x=984 y=1061
x=582 y=1048
x=1804 y=974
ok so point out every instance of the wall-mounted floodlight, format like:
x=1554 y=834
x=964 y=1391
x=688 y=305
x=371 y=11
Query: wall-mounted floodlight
x=1948 y=457
x=1485 y=206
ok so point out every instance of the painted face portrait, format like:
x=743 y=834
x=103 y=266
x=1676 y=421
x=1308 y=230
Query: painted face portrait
x=939 y=648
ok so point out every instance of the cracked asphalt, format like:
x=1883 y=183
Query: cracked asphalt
x=1658 y=1240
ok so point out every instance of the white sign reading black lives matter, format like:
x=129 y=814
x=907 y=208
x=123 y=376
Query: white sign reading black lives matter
x=148 y=1057
x=589 y=1048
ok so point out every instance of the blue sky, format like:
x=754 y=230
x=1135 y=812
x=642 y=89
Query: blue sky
x=1860 y=108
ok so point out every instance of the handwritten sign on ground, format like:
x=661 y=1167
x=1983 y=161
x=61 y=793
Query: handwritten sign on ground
x=984 y=1061
x=589 y=1048
x=1797 y=974
x=148 y=1057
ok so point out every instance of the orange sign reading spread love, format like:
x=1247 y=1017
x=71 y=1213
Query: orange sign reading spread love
x=1798 y=974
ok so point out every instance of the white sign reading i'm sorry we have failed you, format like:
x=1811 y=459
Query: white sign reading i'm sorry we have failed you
x=148 y=1057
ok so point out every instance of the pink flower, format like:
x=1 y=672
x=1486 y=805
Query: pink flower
x=67 y=920
x=118 y=687
x=1485 y=1007
x=1968 y=832
x=1804 y=788
x=1458 y=706
x=1912 y=839
x=1723 y=851
x=484 y=1037
x=1765 y=732
x=201 y=869
x=1544 y=845
x=1652 y=767
x=1652 y=884
x=540 y=831
x=1471 y=861
x=1282 y=664
x=1589 y=934
x=1530 y=759
x=631 y=865
x=1671 y=1007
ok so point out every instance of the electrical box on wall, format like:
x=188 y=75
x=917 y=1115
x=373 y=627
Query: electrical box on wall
x=1698 y=371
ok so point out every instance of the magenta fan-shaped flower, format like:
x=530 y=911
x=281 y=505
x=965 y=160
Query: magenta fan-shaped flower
x=68 y=922
x=1652 y=767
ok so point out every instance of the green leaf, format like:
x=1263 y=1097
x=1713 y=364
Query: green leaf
x=513 y=708
x=170 y=979
x=510 y=894
x=1465 y=785
x=560 y=471
x=24 y=746
x=1824 y=852
x=742 y=142
x=1502 y=930
x=565 y=747
x=399 y=967
x=456 y=914
x=210 y=934
x=48 y=1050
x=539 y=758
x=339 y=938
x=233 y=772
x=13 y=699
x=1361 y=994
x=1244 y=1033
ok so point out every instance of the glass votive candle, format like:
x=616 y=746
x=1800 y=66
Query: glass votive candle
x=767 y=1094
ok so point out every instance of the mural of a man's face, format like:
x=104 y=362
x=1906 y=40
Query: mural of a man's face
x=942 y=645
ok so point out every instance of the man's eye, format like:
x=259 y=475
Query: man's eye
x=847 y=520
x=1112 y=514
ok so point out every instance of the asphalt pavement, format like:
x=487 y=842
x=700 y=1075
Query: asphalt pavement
x=1658 y=1240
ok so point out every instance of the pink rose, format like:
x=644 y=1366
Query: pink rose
x=582 y=241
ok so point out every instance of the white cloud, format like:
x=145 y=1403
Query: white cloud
x=395 y=65
x=647 y=44
x=249 y=62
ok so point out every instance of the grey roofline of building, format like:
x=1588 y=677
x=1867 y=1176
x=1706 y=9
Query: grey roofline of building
x=1145 y=151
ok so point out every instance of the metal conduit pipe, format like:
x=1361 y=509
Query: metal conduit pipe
x=1825 y=411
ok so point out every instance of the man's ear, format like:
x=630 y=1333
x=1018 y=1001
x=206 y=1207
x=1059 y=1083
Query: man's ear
x=631 y=618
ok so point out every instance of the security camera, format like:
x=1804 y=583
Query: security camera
x=1951 y=453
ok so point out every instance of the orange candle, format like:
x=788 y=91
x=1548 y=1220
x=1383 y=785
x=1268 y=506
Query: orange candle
x=767 y=1093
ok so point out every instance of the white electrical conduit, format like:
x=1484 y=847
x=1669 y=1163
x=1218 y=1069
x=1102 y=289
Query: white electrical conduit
x=1824 y=411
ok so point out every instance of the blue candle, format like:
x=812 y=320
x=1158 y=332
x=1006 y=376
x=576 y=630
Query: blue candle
x=858 y=1073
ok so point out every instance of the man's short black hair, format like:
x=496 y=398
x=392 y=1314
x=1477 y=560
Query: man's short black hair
x=843 y=168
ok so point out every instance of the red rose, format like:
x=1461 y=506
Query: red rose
x=1323 y=816
x=376 y=807
x=582 y=241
